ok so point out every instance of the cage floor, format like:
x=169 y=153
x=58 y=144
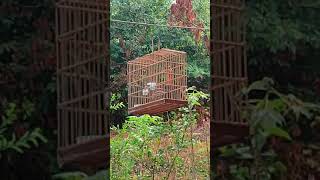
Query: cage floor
x=224 y=133
x=89 y=153
x=157 y=107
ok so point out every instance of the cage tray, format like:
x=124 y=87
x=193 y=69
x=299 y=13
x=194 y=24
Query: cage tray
x=89 y=153
x=225 y=133
x=157 y=107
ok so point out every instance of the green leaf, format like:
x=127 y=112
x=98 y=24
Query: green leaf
x=228 y=152
x=264 y=85
x=259 y=140
x=104 y=174
x=19 y=150
x=69 y=176
x=34 y=141
x=2 y=130
x=23 y=144
x=13 y=138
x=276 y=131
x=277 y=104
x=43 y=139
x=266 y=118
x=280 y=167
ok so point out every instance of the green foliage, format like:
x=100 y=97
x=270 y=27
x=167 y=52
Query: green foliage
x=104 y=174
x=239 y=173
x=283 y=43
x=70 y=176
x=271 y=119
x=126 y=152
x=114 y=105
x=271 y=114
x=22 y=142
x=27 y=139
x=195 y=97
x=27 y=80
x=281 y=25
x=274 y=110
x=117 y=108
x=14 y=143
x=137 y=149
x=100 y=175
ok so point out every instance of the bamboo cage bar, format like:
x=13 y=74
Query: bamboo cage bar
x=157 y=82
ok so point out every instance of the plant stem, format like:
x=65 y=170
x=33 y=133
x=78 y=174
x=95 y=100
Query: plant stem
x=175 y=157
x=192 y=149
x=257 y=164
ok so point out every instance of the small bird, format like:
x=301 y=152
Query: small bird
x=145 y=91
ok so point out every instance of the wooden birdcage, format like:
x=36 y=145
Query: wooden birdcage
x=157 y=82
x=228 y=71
x=82 y=78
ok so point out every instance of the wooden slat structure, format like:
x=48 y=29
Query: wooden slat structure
x=82 y=41
x=228 y=71
x=157 y=82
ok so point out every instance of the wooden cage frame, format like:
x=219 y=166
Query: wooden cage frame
x=228 y=71
x=167 y=70
x=82 y=77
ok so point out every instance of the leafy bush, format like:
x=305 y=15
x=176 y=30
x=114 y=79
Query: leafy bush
x=17 y=144
x=271 y=115
x=151 y=146
x=114 y=105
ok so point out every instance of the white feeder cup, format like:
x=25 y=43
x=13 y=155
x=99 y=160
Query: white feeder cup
x=152 y=86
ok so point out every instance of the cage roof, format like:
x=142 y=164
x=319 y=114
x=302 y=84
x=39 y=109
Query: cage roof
x=152 y=57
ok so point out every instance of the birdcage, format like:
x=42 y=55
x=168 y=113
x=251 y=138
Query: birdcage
x=228 y=72
x=82 y=78
x=157 y=82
